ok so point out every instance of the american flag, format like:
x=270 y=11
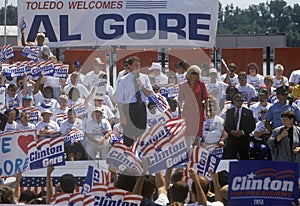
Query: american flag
x=141 y=4
x=38 y=184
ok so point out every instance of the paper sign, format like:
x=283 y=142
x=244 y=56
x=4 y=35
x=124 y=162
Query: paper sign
x=42 y=153
x=13 y=151
x=263 y=183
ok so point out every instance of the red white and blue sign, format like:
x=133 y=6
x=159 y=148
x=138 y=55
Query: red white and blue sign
x=263 y=183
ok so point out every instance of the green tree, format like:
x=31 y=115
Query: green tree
x=11 y=15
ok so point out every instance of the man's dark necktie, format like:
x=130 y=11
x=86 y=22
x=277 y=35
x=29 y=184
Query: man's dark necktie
x=236 y=118
x=137 y=90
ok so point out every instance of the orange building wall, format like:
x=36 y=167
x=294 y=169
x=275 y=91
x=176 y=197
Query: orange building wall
x=242 y=57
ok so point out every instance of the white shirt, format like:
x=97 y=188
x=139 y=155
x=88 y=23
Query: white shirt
x=91 y=79
x=65 y=125
x=161 y=79
x=212 y=129
x=125 y=92
x=257 y=107
x=234 y=81
x=79 y=80
x=44 y=103
x=50 y=126
x=277 y=82
x=84 y=93
x=256 y=81
x=98 y=130
x=107 y=113
x=11 y=127
x=181 y=77
x=248 y=91
x=216 y=89
x=295 y=77
x=22 y=127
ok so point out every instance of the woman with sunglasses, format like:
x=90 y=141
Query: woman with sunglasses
x=24 y=123
x=192 y=99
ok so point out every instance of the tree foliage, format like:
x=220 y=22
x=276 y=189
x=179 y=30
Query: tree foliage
x=274 y=17
x=11 y=15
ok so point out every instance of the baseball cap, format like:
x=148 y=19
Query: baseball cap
x=213 y=70
x=77 y=64
x=48 y=111
x=181 y=64
x=27 y=97
x=155 y=66
x=41 y=34
x=290 y=96
x=263 y=91
x=282 y=90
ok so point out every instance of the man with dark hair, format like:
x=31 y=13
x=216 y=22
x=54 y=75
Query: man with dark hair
x=239 y=123
x=131 y=95
x=178 y=192
x=67 y=183
x=181 y=71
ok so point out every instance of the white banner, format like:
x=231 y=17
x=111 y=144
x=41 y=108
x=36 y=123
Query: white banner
x=121 y=22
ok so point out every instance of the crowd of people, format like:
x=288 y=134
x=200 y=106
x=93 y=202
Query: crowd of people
x=249 y=115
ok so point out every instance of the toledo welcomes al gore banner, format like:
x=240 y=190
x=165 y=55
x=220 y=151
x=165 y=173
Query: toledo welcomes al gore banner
x=120 y=22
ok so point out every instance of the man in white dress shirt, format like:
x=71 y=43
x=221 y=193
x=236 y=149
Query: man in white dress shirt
x=131 y=95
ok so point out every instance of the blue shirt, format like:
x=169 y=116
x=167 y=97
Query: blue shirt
x=275 y=111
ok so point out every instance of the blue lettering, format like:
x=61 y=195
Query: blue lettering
x=194 y=26
x=64 y=30
x=99 y=26
x=38 y=19
x=151 y=26
x=178 y=29
x=6 y=145
x=8 y=167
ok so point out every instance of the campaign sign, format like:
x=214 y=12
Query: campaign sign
x=61 y=71
x=48 y=69
x=34 y=114
x=95 y=175
x=73 y=136
x=36 y=70
x=168 y=155
x=203 y=161
x=169 y=91
x=42 y=153
x=263 y=183
x=8 y=52
x=13 y=151
x=124 y=160
x=80 y=110
x=161 y=104
x=30 y=52
x=2 y=96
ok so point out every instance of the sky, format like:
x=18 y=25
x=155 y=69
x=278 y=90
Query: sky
x=243 y=4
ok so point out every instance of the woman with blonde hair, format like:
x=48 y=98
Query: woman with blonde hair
x=192 y=99
x=213 y=129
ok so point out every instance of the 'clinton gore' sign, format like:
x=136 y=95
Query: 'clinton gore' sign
x=121 y=22
x=263 y=183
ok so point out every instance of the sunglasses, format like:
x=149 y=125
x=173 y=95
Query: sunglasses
x=195 y=73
